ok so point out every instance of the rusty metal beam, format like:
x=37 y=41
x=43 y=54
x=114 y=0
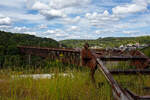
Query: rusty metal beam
x=131 y=71
x=48 y=49
x=105 y=57
x=122 y=58
x=118 y=92
x=136 y=97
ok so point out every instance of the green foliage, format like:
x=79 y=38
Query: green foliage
x=12 y=50
x=2 y=50
x=9 y=53
x=12 y=61
x=7 y=39
x=146 y=51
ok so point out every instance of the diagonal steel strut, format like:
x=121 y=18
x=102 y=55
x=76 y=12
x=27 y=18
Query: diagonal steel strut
x=118 y=92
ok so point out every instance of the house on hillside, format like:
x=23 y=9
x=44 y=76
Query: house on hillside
x=96 y=47
x=132 y=46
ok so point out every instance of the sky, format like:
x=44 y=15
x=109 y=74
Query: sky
x=76 y=19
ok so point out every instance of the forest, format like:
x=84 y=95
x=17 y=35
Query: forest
x=9 y=53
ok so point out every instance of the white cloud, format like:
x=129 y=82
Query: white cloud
x=21 y=29
x=59 y=8
x=39 y=6
x=130 y=32
x=42 y=26
x=13 y=3
x=104 y=31
x=56 y=34
x=98 y=32
x=5 y=20
x=136 y=6
x=101 y=20
x=30 y=33
x=74 y=37
x=4 y=26
x=68 y=20
x=1 y=15
x=17 y=10
x=74 y=27
x=58 y=4
x=138 y=22
x=50 y=32
x=16 y=16
x=106 y=13
x=16 y=29
x=76 y=19
x=24 y=29
x=51 y=14
x=105 y=16
x=47 y=11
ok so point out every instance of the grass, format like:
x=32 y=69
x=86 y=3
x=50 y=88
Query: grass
x=138 y=84
x=75 y=86
x=78 y=87
x=122 y=65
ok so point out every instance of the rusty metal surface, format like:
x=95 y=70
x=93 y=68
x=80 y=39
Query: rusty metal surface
x=48 y=49
x=70 y=56
x=122 y=58
x=107 y=55
x=118 y=92
x=130 y=71
x=136 y=97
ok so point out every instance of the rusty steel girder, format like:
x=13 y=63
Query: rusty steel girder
x=137 y=58
x=131 y=71
x=118 y=92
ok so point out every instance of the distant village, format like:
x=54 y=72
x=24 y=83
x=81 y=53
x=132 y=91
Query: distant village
x=121 y=47
x=133 y=46
x=126 y=47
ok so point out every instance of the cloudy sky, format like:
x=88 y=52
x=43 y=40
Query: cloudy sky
x=76 y=19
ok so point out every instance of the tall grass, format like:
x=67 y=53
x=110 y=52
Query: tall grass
x=75 y=86
x=138 y=84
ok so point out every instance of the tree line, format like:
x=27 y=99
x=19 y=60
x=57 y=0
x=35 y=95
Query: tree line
x=9 y=53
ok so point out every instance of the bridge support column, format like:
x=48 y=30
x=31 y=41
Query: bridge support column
x=29 y=59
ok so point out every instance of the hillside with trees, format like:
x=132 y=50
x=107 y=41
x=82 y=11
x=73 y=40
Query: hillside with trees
x=107 y=42
x=9 y=53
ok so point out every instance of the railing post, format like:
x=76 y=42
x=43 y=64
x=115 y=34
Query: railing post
x=29 y=59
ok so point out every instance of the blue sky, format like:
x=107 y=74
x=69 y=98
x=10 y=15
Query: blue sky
x=76 y=19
